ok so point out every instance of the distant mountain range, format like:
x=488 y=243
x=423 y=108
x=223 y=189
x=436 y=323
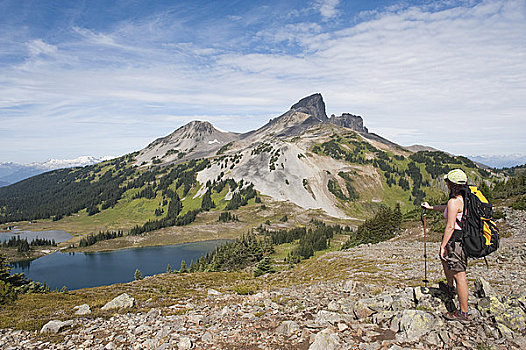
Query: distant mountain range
x=500 y=161
x=14 y=172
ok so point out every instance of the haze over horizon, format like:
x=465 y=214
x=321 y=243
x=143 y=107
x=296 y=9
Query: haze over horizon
x=92 y=78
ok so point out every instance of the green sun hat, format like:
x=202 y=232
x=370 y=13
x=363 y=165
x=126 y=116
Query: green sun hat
x=457 y=176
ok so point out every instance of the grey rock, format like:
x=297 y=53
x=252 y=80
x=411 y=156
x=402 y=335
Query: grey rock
x=483 y=288
x=185 y=343
x=348 y=286
x=402 y=303
x=369 y=346
x=333 y=306
x=207 y=337
x=383 y=317
x=83 y=309
x=288 y=328
x=122 y=301
x=325 y=340
x=55 y=326
x=213 y=292
x=326 y=318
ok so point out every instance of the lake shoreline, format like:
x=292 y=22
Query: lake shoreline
x=159 y=238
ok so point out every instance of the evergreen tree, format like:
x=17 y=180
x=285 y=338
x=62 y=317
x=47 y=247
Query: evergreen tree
x=138 y=275
x=207 y=202
x=23 y=247
x=264 y=266
x=169 y=269
x=183 y=268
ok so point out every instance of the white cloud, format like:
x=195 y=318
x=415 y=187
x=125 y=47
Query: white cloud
x=419 y=75
x=38 y=46
x=327 y=8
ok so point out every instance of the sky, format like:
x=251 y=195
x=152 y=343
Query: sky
x=108 y=77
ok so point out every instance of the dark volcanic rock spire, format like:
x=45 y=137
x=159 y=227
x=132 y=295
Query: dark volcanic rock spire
x=312 y=105
x=350 y=121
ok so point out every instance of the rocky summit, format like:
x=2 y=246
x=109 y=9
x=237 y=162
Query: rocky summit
x=379 y=303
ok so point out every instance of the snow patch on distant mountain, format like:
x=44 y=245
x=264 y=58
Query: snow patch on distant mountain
x=68 y=163
x=500 y=160
x=14 y=172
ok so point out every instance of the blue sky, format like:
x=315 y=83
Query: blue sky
x=107 y=77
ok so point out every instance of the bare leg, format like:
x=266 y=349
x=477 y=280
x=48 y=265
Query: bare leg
x=448 y=273
x=462 y=290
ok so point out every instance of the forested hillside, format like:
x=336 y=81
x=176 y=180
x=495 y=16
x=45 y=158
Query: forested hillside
x=407 y=178
x=97 y=188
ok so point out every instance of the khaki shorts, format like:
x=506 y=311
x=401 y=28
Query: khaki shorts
x=455 y=256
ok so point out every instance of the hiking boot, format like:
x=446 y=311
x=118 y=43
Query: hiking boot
x=456 y=315
x=450 y=291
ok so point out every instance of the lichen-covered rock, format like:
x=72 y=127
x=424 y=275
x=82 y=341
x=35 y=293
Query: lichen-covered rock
x=504 y=330
x=514 y=318
x=414 y=324
x=122 y=301
x=326 y=340
x=491 y=305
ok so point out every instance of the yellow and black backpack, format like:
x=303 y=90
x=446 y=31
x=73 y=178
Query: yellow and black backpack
x=480 y=233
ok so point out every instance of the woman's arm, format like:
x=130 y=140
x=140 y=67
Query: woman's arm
x=440 y=207
x=453 y=208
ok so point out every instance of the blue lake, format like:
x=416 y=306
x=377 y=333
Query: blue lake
x=84 y=270
x=57 y=235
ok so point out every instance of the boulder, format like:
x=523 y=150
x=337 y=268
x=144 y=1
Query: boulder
x=82 y=310
x=55 y=326
x=122 y=301
x=326 y=340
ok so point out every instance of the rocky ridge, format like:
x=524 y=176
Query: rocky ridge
x=382 y=308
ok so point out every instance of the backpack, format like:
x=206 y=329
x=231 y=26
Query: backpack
x=480 y=235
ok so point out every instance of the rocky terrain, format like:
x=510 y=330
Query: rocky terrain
x=368 y=297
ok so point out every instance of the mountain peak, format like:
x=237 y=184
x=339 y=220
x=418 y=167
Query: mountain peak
x=312 y=105
x=198 y=127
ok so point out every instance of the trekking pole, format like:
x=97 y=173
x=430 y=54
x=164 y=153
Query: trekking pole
x=423 y=218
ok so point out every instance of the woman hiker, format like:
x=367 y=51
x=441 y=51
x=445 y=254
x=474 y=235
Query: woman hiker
x=452 y=255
